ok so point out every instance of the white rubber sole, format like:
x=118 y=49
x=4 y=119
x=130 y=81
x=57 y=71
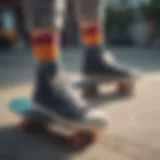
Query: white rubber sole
x=66 y=126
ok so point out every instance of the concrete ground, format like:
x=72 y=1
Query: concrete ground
x=134 y=121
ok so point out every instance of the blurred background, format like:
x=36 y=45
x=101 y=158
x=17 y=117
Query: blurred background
x=131 y=30
x=127 y=22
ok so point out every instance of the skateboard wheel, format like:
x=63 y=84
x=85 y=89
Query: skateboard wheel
x=30 y=125
x=126 y=87
x=80 y=140
x=90 y=92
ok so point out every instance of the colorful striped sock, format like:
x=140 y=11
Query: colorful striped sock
x=91 y=35
x=46 y=46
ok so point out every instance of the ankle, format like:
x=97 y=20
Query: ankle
x=47 y=68
x=94 y=48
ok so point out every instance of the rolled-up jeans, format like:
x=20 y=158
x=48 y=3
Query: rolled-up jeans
x=50 y=14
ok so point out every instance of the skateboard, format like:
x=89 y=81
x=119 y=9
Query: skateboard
x=33 y=120
x=90 y=86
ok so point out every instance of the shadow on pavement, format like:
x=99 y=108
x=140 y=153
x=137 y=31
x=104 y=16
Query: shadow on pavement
x=17 y=145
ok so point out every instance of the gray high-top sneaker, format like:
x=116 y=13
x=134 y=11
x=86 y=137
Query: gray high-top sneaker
x=55 y=97
x=97 y=68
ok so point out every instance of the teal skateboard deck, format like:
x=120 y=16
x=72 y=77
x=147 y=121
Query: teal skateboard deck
x=24 y=107
x=82 y=84
x=85 y=83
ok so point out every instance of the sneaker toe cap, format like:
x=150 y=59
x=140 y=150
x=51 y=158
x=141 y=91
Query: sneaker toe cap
x=97 y=118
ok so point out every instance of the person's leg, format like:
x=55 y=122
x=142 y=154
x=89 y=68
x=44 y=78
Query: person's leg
x=90 y=16
x=45 y=21
x=53 y=94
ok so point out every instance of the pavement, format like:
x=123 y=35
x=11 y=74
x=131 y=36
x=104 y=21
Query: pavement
x=133 y=133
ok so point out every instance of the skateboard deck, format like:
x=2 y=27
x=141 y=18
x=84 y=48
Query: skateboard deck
x=85 y=83
x=82 y=84
x=34 y=119
x=24 y=107
x=90 y=86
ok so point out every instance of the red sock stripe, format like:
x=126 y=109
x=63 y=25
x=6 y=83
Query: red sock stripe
x=92 y=30
x=46 y=38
